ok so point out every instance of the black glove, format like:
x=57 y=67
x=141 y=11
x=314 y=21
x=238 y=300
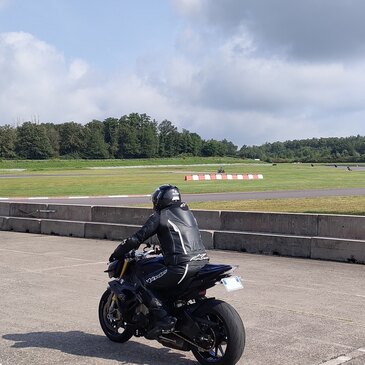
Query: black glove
x=123 y=248
x=118 y=253
x=112 y=258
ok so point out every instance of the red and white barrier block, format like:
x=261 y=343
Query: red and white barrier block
x=201 y=177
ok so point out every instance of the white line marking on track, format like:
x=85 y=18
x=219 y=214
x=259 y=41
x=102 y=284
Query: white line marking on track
x=67 y=266
x=345 y=358
x=46 y=254
x=77 y=197
x=339 y=360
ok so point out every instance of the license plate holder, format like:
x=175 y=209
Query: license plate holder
x=232 y=283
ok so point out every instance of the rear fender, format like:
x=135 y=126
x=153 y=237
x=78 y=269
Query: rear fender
x=214 y=272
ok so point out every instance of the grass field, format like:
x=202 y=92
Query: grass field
x=75 y=178
x=354 y=205
x=40 y=165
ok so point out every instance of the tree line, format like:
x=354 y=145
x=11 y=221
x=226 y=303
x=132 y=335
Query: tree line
x=138 y=136
x=334 y=149
x=131 y=136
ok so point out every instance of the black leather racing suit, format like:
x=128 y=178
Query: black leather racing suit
x=180 y=241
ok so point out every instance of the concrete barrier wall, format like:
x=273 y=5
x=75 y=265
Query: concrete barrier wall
x=208 y=239
x=324 y=248
x=333 y=237
x=335 y=226
x=341 y=226
x=28 y=210
x=109 y=231
x=285 y=223
x=28 y=225
x=63 y=228
x=4 y=223
x=50 y=211
x=270 y=244
x=69 y=212
x=121 y=215
x=338 y=250
x=4 y=209
x=208 y=219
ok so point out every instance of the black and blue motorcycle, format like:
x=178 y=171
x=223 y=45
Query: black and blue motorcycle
x=210 y=328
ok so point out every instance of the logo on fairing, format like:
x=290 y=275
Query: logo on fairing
x=153 y=278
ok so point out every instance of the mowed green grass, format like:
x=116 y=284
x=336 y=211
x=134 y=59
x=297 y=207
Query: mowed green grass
x=63 y=164
x=47 y=180
x=354 y=205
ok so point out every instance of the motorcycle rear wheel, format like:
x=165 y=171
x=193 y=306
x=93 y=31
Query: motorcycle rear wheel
x=109 y=322
x=227 y=334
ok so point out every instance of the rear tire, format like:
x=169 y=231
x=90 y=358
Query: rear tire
x=110 y=320
x=227 y=336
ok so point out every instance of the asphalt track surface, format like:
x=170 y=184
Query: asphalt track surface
x=135 y=200
x=296 y=311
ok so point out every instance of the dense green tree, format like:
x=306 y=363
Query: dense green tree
x=349 y=149
x=111 y=136
x=32 y=142
x=168 y=138
x=128 y=138
x=53 y=137
x=138 y=136
x=254 y=152
x=196 y=144
x=229 y=149
x=185 y=143
x=7 y=141
x=94 y=144
x=147 y=136
x=212 y=148
x=71 y=139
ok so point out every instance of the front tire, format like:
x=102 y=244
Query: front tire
x=111 y=321
x=227 y=334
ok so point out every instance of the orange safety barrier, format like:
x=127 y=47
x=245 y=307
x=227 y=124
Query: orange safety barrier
x=201 y=177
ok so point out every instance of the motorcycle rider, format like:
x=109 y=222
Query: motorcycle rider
x=182 y=248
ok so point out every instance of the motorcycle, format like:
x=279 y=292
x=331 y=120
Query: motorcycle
x=210 y=328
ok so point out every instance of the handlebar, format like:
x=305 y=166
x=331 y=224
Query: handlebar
x=133 y=254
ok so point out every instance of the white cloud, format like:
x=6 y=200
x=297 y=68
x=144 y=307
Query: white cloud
x=218 y=85
x=78 y=69
x=270 y=70
x=37 y=81
x=31 y=72
x=236 y=94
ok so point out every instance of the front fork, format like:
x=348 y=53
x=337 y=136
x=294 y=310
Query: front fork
x=124 y=268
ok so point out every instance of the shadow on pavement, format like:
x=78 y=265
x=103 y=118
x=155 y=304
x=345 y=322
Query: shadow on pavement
x=84 y=344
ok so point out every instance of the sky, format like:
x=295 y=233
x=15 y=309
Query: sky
x=249 y=71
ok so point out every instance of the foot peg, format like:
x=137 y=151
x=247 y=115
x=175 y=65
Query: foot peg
x=161 y=327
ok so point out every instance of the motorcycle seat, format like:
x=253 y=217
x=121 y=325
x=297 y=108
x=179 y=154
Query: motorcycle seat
x=212 y=269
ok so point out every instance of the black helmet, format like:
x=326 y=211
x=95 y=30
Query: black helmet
x=164 y=196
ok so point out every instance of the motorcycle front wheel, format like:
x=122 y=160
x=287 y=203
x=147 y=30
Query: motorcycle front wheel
x=225 y=335
x=110 y=319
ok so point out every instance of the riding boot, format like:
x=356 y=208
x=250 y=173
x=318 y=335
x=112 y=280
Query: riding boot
x=161 y=321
